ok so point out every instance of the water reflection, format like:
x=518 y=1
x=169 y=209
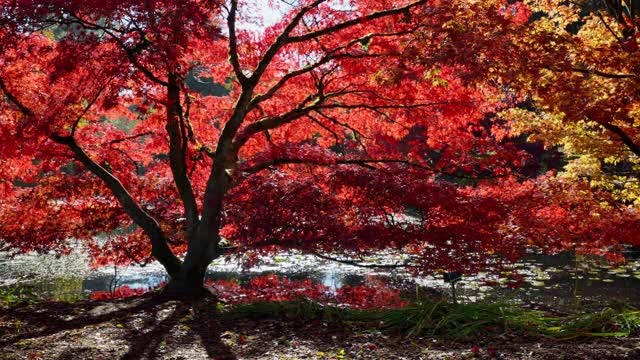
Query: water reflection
x=560 y=281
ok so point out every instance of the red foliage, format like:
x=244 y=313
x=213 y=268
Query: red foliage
x=267 y=288
x=273 y=288
x=315 y=135
x=363 y=297
x=118 y=293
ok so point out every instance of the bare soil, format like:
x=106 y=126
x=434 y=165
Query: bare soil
x=148 y=327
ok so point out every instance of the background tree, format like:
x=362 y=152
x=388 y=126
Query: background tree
x=586 y=91
x=571 y=69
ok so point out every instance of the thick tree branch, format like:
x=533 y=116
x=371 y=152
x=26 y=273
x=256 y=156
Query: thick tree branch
x=624 y=137
x=353 y=22
x=273 y=122
x=149 y=225
x=233 y=44
x=177 y=153
x=160 y=248
x=224 y=162
x=23 y=109
x=317 y=103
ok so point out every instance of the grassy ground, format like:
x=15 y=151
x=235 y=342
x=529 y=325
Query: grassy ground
x=456 y=321
x=147 y=327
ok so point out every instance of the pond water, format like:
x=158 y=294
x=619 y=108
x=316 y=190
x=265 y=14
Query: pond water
x=558 y=281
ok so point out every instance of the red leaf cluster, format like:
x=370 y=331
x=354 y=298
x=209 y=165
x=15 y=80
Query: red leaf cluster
x=118 y=293
x=133 y=128
x=273 y=288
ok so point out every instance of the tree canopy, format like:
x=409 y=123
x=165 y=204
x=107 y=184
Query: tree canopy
x=150 y=129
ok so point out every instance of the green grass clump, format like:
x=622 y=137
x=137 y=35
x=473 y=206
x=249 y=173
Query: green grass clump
x=607 y=322
x=10 y=296
x=452 y=320
x=459 y=321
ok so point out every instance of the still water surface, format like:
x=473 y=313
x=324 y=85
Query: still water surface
x=558 y=281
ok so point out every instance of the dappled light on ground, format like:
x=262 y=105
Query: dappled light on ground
x=150 y=328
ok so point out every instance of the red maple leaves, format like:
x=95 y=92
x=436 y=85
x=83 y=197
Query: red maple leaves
x=165 y=124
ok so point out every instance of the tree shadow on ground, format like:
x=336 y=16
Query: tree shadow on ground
x=144 y=324
x=47 y=318
x=186 y=324
x=149 y=327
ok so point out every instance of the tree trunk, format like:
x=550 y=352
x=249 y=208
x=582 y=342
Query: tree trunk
x=187 y=286
x=204 y=240
x=189 y=282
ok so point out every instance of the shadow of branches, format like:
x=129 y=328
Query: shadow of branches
x=145 y=324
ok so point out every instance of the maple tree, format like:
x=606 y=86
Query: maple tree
x=151 y=129
x=579 y=82
x=570 y=70
x=584 y=94
x=571 y=67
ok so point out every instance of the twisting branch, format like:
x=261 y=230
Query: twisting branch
x=130 y=52
x=307 y=69
x=360 y=264
x=599 y=15
x=23 y=109
x=282 y=40
x=233 y=43
x=128 y=157
x=353 y=22
x=331 y=55
x=245 y=101
x=149 y=225
x=624 y=137
x=319 y=123
x=356 y=133
x=89 y=105
x=134 y=258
